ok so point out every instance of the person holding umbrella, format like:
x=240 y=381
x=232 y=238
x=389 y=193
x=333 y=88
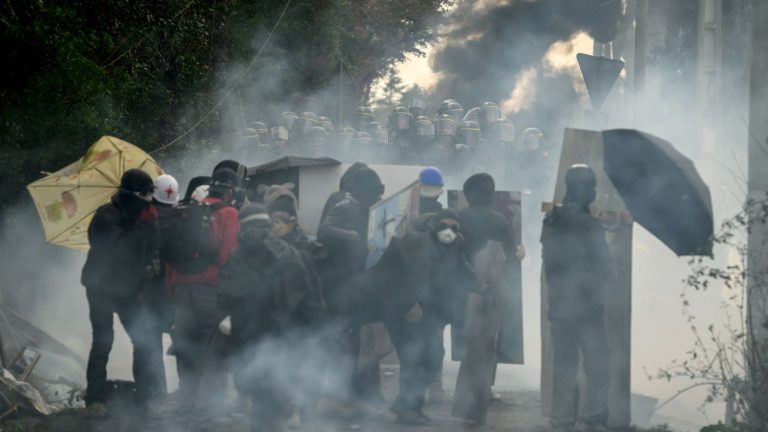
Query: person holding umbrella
x=123 y=240
x=576 y=267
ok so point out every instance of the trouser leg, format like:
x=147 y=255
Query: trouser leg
x=101 y=309
x=437 y=383
x=184 y=335
x=565 y=345
x=594 y=348
x=420 y=352
x=134 y=317
x=210 y=342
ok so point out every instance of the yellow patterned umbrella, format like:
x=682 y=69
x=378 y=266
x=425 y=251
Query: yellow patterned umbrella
x=67 y=199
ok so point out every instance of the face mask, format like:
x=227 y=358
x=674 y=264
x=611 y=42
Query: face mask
x=446 y=236
x=280 y=227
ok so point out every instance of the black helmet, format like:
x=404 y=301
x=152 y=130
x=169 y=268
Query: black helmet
x=418 y=106
x=424 y=127
x=326 y=124
x=233 y=165
x=363 y=116
x=248 y=137
x=489 y=113
x=136 y=180
x=580 y=174
x=446 y=125
x=532 y=139
x=278 y=134
x=400 y=119
x=346 y=136
x=451 y=108
x=288 y=118
x=502 y=131
x=318 y=137
x=378 y=133
x=468 y=134
x=306 y=121
x=362 y=139
x=472 y=115
x=224 y=179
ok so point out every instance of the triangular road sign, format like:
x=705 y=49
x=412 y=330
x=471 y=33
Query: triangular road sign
x=600 y=73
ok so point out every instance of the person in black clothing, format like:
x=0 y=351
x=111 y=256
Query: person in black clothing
x=344 y=233
x=437 y=279
x=480 y=222
x=264 y=287
x=123 y=240
x=576 y=267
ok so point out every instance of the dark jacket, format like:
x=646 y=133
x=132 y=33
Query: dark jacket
x=344 y=234
x=123 y=240
x=577 y=262
x=429 y=205
x=482 y=223
x=262 y=290
x=314 y=308
x=413 y=269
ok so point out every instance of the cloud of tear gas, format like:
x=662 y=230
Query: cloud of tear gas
x=509 y=37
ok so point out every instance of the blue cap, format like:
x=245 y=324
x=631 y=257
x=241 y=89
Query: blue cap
x=431 y=176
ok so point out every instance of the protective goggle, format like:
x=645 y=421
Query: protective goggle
x=450 y=224
x=146 y=195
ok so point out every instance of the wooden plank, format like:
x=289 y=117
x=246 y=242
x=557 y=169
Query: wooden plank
x=510 y=347
x=483 y=318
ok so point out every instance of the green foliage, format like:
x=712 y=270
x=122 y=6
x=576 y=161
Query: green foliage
x=147 y=71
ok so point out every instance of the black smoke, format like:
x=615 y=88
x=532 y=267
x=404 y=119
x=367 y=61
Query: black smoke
x=486 y=49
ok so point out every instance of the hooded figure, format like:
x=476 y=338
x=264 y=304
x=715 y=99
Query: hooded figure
x=282 y=207
x=344 y=233
x=576 y=267
x=120 y=263
x=263 y=287
x=480 y=222
x=344 y=224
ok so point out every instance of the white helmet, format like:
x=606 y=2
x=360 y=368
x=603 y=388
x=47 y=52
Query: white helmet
x=166 y=189
x=200 y=193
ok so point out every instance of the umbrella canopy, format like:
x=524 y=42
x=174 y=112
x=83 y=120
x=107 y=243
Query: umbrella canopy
x=67 y=199
x=661 y=188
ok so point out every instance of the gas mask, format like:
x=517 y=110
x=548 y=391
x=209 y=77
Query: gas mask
x=446 y=236
x=446 y=231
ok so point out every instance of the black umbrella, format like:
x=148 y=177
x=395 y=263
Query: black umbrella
x=661 y=188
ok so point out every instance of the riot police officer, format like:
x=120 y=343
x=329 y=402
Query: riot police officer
x=363 y=116
x=345 y=144
x=380 y=141
x=399 y=125
x=488 y=114
x=451 y=108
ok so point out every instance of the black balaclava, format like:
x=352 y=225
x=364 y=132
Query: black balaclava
x=580 y=184
x=134 y=181
x=479 y=189
x=365 y=185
